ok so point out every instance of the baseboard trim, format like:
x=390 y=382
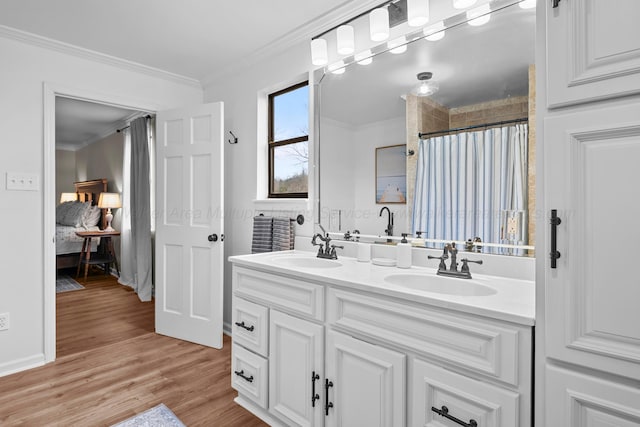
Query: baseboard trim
x=226 y=328
x=20 y=365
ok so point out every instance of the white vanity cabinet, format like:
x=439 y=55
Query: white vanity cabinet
x=343 y=357
x=593 y=50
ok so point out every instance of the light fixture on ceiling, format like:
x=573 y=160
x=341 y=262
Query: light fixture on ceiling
x=398 y=45
x=463 y=4
x=417 y=12
x=434 y=32
x=426 y=86
x=319 y=55
x=364 y=57
x=379 y=24
x=345 y=37
x=479 y=16
x=527 y=4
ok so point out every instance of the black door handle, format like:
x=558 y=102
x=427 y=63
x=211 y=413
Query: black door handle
x=242 y=375
x=555 y=221
x=314 y=396
x=212 y=237
x=327 y=404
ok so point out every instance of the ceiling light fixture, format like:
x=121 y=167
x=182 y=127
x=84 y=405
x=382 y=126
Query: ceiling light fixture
x=345 y=37
x=479 y=16
x=435 y=32
x=319 y=55
x=426 y=86
x=463 y=4
x=379 y=24
x=398 y=45
x=417 y=12
x=364 y=57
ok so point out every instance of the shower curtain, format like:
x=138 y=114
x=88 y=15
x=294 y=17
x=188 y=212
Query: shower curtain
x=466 y=182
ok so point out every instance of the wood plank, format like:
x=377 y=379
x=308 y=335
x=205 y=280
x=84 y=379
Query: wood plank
x=111 y=365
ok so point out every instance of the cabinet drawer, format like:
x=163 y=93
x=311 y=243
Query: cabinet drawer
x=250 y=326
x=289 y=294
x=575 y=400
x=465 y=399
x=249 y=375
x=481 y=345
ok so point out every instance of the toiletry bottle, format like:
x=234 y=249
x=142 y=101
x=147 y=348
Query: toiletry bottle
x=403 y=252
x=418 y=241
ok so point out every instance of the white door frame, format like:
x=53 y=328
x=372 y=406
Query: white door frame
x=50 y=91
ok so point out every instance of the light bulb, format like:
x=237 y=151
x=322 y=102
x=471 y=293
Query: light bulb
x=379 y=24
x=417 y=12
x=435 y=32
x=346 y=44
x=319 y=52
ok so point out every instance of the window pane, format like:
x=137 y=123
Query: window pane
x=291 y=114
x=290 y=168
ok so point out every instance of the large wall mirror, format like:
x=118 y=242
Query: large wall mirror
x=471 y=171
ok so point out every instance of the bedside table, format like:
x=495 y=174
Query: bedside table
x=105 y=256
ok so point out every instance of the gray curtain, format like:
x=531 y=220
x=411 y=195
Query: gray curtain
x=137 y=256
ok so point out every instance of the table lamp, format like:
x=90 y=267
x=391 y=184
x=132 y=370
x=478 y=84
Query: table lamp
x=109 y=201
x=68 y=197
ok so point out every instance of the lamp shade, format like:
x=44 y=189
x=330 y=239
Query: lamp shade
x=346 y=44
x=379 y=24
x=319 y=55
x=417 y=12
x=68 y=197
x=109 y=201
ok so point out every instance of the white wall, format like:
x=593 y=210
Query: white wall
x=25 y=68
x=65 y=172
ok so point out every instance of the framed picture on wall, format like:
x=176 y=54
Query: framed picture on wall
x=391 y=174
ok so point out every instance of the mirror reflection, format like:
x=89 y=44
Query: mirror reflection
x=457 y=106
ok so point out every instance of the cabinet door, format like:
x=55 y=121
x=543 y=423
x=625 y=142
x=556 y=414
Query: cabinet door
x=438 y=396
x=365 y=384
x=295 y=369
x=593 y=50
x=591 y=178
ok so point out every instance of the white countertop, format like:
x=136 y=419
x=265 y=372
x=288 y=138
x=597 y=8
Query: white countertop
x=513 y=301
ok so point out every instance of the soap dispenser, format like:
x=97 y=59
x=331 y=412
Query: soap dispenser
x=403 y=252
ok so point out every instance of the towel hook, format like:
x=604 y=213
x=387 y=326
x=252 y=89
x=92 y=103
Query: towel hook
x=235 y=139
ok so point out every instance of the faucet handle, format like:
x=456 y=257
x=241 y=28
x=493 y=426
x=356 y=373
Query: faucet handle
x=465 y=265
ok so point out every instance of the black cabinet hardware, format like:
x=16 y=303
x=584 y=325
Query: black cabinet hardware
x=314 y=396
x=555 y=221
x=327 y=404
x=242 y=325
x=242 y=375
x=444 y=411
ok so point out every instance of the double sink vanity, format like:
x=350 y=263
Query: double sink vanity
x=341 y=342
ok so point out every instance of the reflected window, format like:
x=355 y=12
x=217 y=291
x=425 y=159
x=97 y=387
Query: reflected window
x=289 y=142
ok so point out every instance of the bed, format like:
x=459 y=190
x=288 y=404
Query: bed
x=80 y=215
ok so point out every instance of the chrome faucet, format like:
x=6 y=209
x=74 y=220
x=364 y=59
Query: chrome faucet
x=326 y=250
x=464 y=273
x=389 y=230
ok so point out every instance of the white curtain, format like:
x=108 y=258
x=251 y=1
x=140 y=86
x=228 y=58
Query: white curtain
x=136 y=244
x=467 y=183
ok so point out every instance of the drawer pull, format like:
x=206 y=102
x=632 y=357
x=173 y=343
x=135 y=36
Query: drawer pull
x=242 y=325
x=314 y=396
x=445 y=413
x=327 y=404
x=241 y=374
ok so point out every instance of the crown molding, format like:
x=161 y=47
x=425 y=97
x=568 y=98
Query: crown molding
x=300 y=34
x=91 y=55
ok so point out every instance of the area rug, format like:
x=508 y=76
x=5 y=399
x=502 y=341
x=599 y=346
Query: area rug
x=66 y=283
x=158 y=416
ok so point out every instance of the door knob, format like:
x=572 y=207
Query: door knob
x=213 y=237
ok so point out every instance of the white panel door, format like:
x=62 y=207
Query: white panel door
x=365 y=384
x=189 y=224
x=295 y=369
x=593 y=50
x=591 y=178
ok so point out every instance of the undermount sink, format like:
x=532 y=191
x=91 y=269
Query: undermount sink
x=305 y=262
x=440 y=285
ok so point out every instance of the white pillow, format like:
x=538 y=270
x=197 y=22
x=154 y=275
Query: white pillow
x=73 y=215
x=91 y=216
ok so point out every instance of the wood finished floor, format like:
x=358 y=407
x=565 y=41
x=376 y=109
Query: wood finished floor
x=111 y=365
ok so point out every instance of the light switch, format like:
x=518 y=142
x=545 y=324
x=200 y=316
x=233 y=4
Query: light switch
x=22 y=181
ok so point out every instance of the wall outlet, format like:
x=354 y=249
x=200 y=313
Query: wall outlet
x=4 y=321
x=512 y=225
x=22 y=181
